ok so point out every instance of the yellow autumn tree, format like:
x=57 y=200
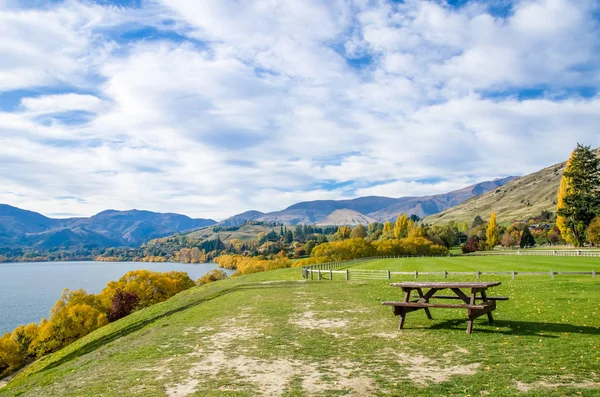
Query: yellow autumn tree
x=566 y=184
x=491 y=234
x=401 y=227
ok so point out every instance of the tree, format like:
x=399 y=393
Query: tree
x=401 y=226
x=342 y=233
x=310 y=244
x=527 y=239
x=471 y=245
x=212 y=276
x=358 y=232
x=123 y=304
x=491 y=233
x=388 y=231
x=578 y=201
x=477 y=221
x=508 y=240
x=593 y=232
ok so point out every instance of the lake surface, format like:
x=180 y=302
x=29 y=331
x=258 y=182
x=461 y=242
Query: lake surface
x=29 y=290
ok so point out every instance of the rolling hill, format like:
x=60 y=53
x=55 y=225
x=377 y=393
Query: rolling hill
x=519 y=199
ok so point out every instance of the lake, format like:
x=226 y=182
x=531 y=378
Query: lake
x=29 y=290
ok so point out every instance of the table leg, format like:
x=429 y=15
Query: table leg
x=402 y=318
x=489 y=314
x=420 y=292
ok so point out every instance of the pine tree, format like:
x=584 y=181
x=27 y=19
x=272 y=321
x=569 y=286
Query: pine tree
x=491 y=233
x=579 y=195
x=527 y=239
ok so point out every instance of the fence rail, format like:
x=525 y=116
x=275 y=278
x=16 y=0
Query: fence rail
x=585 y=253
x=326 y=271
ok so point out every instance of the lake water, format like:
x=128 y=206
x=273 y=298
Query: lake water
x=29 y=290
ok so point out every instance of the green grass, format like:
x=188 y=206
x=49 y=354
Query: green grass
x=485 y=263
x=274 y=334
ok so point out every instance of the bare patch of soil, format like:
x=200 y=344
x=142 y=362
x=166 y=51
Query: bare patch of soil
x=562 y=382
x=425 y=370
x=307 y=320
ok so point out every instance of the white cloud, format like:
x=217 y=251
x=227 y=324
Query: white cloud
x=258 y=105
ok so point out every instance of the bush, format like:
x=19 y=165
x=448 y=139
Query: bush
x=212 y=276
x=472 y=245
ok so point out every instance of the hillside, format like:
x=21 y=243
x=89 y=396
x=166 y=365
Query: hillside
x=244 y=233
x=22 y=228
x=274 y=334
x=346 y=217
x=519 y=199
x=366 y=209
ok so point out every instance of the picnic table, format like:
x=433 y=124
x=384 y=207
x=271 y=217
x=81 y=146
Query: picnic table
x=486 y=304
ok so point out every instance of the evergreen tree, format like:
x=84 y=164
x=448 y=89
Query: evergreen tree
x=579 y=195
x=527 y=239
x=491 y=233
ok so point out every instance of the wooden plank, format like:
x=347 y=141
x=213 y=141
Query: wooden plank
x=446 y=284
x=490 y=298
x=438 y=305
x=461 y=295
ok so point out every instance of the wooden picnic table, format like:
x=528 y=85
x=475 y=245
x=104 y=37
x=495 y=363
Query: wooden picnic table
x=474 y=308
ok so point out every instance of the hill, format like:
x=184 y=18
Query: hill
x=24 y=228
x=520 y=199
x=274 y=334
x=244 y=233
x=368 y=209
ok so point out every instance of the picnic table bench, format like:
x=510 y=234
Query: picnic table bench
x=475 y=309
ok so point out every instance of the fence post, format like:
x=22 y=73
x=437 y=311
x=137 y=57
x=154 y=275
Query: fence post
x=593 y=273
x=319 y=274
x=330 y=274
x=389 y=275
x=347 y=275
x=416 y=274
x=552 y=275
x=477 y=274
x=445 y=274
x=311 y=274
x=513 y=274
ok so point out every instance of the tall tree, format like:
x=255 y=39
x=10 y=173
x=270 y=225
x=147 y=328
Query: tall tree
x=401 y=226
x=358 y=232
x=579 y=195
x=527 y=239
x=491 y=234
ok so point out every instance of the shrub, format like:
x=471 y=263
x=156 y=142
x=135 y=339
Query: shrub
x=471 y=245
x=212 y=276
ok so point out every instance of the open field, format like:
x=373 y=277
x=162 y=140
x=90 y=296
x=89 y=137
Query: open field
x=275 y=334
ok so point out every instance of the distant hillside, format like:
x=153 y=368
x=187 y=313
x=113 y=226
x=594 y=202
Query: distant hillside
x=367 y=209
x=347 y=217
x=521 y=198
x=109 y=228
x=244 y=233
x=242 y=218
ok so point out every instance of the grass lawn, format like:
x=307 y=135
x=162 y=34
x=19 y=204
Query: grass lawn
x=485 y=263
x=273 y=333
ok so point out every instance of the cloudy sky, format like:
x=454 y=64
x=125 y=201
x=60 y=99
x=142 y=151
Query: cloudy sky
x=214 y=107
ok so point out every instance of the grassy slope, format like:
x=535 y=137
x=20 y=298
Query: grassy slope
x=244 y=233
x=237 y=337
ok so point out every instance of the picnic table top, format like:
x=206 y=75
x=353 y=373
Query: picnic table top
x=444 y=284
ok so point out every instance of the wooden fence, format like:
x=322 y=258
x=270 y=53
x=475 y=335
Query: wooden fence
x=326 y=271
x=585 y=253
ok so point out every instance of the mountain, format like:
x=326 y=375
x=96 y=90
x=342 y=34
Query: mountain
x=108 y=228
x=519 y=199
x=369 y=209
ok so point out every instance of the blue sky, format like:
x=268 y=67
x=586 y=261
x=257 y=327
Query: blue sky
x=211 y=108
